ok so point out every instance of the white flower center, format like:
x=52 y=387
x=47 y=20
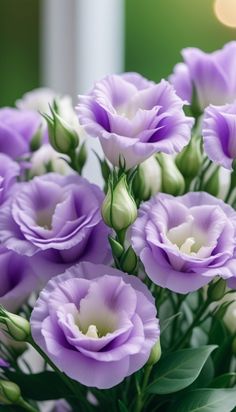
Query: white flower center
x=95 y=319
x=44 y=219
x=187 y=237
x=92 y=331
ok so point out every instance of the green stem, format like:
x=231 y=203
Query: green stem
x=140 y=398
x=25 y=405
x=73 y=161
x=121 y=236
x=195 y=322
x=70 y=384
x=231 y=186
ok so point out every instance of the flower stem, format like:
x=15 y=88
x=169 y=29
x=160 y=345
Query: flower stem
x=180 y=343
x=25 y=405
x=140 y=397
x=68 y=382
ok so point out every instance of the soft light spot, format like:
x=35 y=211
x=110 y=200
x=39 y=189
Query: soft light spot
x=225 y=11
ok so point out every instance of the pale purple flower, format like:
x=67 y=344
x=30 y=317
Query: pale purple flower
x=211 y=74
x=219 y=134
x=57 y=220
x=17 y=128
x=96 y=324
x=17 y=280
x=40 y=100
x=185 y=241
x=9 y=170
x=62 y=406
x=37 y=100
x=3 y=363
x=134 y=118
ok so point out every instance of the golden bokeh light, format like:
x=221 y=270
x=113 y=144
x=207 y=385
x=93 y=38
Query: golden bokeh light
x=225 y=11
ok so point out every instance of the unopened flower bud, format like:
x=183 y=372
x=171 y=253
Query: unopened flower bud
x=36 y=140
x=190 y=159
x=155 y=354
x=9 y=392
x=63 y=138
x=129 y=260
x=172 y=180
x=81 y=157
x=234 y=346
x=46 y=160
x=16 y=326
x=116 y=247
x=216 y=290
x=147 y=182
x=119 y=209
x=212 y=181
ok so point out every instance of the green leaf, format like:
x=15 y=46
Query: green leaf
x=167 y=322
x=40 y=386
x=206 y=400
x=224 y=381
x=177 y=370
x=122 y=407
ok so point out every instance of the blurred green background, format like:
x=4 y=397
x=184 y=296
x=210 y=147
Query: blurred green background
x=156 y=31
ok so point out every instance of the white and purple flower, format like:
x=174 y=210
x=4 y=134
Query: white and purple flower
x=17 y=280
x=134 y=118
x=9 y=170
x=185 y=241
x=17 y=128
x=97 y=324
x=219 y=134
x=57 y=221
x=212 y=75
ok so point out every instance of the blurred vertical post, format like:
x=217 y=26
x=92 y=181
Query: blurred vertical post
x=81 y=41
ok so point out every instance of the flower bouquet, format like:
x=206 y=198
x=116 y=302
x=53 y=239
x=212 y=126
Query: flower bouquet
x=125 y=292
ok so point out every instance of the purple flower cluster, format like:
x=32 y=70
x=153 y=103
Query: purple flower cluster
x=96 y=323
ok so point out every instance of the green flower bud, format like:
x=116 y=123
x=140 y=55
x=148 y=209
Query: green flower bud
x=16 y=326
x=116 y=247
x=234 y=347
x=155 y=354
x=37 y=139
x=119 y=209
x=63 y=138
x=147 y=182
x=189 y=160
x=129 y=260
x=82 y=157
x=216 y=290
x=212 y=182
x=172 y=180
x=9 y=392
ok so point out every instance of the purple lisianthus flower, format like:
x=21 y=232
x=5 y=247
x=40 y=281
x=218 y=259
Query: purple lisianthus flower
x=62 y=406
x=219 y=134
x=134 y=118
x=97 y=324
x=17 y=128
x=17 y=280
x=185 y=241
x=57 y=220
x=3 y=363
x=211 y=74
x=9 y=170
